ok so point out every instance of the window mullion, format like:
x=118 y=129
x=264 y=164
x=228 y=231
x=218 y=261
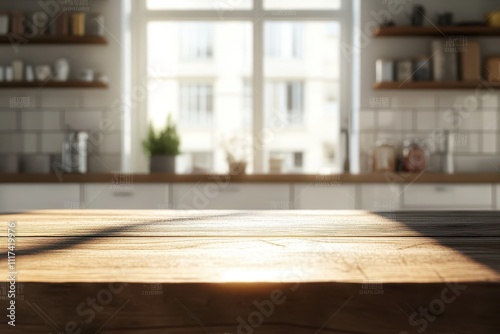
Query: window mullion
x=258 y=84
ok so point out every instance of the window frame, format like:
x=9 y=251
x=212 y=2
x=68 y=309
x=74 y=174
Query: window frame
x=258 y=16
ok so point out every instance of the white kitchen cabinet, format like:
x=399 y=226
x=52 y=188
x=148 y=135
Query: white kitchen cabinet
x=125 y=196
x=448 y=197
x=381 y=197
x=230 y=196
x=40 y=196
x=324 y=197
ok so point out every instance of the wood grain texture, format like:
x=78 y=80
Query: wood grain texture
x=383 y=178
x=341 y=272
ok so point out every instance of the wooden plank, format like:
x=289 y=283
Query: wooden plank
x=277 y=308
x=437 y=85
x=171 y=223
x=52 y=84
x=332 y=180
x=410 y=31
x=219 y=260
x=52 y=40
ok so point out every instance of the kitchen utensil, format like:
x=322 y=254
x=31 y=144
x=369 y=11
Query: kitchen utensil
x=40 y=20
x=17 y=23
x=30 y=73
x=384 y=157
x=493 y=69
x=415 y=156
x=417 y=15
x=445 y=60
x=60 y=25
x=4 y=24
x=385 y=70
x=74 y=152
x=78 y=24
x=18 y=68
x=445 y=19
x=422 y=69
x=61 y=70
x=405 y=70
x=43 y=72
x=95 y=25
x=494 y=19
x=86 y=75
x=9 y=163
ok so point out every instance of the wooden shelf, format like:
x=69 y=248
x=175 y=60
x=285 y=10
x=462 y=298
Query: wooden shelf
x=410 y=31
x=53 y=84
x=53 y=40
x=437 y=85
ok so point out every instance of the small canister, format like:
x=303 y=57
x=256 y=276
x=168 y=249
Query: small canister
x=405 y=70
x=384 y=157
x=415 y=156
x=422 y=69
x=385 y=70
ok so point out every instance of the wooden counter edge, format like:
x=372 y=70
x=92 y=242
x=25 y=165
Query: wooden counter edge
x=327 y=180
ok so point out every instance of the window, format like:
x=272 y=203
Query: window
x=285 y=101
x=283 y=40
x=196 y=41
x=227 y=69
x=196 y=104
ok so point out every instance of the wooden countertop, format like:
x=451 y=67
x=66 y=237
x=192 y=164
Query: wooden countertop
x=253 y=178
x=208 y=271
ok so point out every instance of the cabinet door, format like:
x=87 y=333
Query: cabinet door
x=381 y=197
x=127 y=196
x=230 y=196
x=448 y=197
x=24 y=197
x=324 y=197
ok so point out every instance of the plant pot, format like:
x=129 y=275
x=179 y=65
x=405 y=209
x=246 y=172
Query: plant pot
x=237 y=168
x=162 y=164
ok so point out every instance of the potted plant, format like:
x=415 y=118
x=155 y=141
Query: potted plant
x=162 y=147
x=236 y=155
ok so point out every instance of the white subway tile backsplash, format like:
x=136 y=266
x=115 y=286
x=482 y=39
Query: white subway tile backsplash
x=490 y=120
x=65 y=100
x=489 y=100
x=413 y=101
x=52 y=142
x=8 y=120
x=395 y=120
x=367 y=120
x=40 y=120
x=111 y=143
x=101 y=100
x=466 y=143
x=30 y=143
x=83 y=120
x=111 y=122
x=17 y=100
x=11 y=143
x=104 y=163
x=426 y=120
x=490 y=143
x=465 y=101
x=471 y=120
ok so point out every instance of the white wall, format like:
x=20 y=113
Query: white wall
x=418 y=113
x=39 y=127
